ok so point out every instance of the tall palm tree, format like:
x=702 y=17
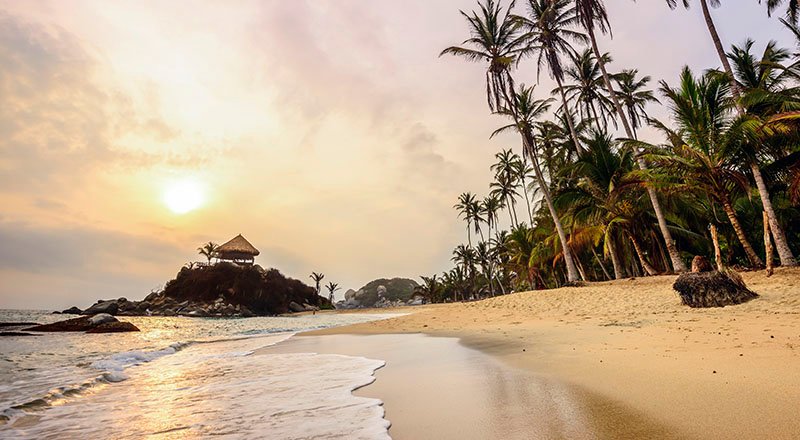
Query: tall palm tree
x=466 y=206
x=524 y=110
x=698 y=154
x=523 y=171
x=585 y=89
x=547 y=33
x=430 y=287
x=317 y=277
x=763 y=84
x=208 y=250
x=490 y=207
x=494 y=39
x=737 y=91
x=634 y=95
x=591 y=14
x=505 y=184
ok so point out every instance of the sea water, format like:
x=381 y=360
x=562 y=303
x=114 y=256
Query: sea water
x=184 y=378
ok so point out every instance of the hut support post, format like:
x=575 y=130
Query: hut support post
x=768 y=245
x=717 y=251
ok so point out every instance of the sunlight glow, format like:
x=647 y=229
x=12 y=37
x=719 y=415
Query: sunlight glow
x=185 y=195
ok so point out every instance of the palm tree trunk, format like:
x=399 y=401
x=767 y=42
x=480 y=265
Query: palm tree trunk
x=737 y=227
x=675 y=257
x=767 y=245
x=618 y=270
x=781 y=245
x=717 y=250
x=578 y=263
x=527 y=143
x=570 y=123
x=640 y=253
x=600 y=262
x=785 y=254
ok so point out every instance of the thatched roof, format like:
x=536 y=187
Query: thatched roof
x=238 y=245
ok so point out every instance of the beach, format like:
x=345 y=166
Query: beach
x=634 y=348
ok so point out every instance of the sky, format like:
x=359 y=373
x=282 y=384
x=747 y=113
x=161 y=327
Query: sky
x=328 y=132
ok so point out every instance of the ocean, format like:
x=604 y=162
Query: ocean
x=184 y=378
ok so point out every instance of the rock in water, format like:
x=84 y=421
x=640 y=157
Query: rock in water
x=114 y=327
x=72 y=311
x=101 y=318
x=701 y=264
x=712 y=289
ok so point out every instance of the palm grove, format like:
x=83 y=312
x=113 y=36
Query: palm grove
x=585 y=205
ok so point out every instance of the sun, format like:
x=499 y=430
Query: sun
x=183 y=196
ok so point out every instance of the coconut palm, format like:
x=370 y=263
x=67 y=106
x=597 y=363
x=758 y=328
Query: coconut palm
x=585 y=89
x=591 y=14
x=523 y=171
x=634 y=96
x=466 y=206
x=332 y=288
x=762 y=82
x=792 y=8
x=524 y=111
x=698 y=155
x=505 y=184
x=547 y=34
x=208 y=250
x=317 y=277
x=430 y=287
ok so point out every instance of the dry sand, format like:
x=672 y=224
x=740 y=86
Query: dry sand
x=722 y=373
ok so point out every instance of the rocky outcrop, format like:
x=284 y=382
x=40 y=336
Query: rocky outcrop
x=382 y=293
x=222 y=290
x=72 y=311
x=101 y=323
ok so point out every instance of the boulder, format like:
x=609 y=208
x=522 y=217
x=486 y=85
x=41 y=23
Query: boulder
x=349 y=295
x=712 y=289
x=701 y=264
x=310 y=308
x=110 y=307
x=72 y=311
x=101 y=318
x=293 y=306
x=114 y=327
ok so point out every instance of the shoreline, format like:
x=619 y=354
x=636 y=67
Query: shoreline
x=704 y=373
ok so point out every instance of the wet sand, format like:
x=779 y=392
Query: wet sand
x=723 y=373
x=436 y=388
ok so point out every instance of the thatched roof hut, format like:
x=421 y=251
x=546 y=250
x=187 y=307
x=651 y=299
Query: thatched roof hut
x=238 y=250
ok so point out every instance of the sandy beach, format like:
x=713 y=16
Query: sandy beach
x=632 y=346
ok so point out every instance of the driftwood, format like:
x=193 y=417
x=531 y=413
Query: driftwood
x=712 y=289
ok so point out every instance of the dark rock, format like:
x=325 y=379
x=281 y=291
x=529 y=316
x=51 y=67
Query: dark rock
x=72 y=311
x=70 y=325
x=701 y=264
x=56 y=313
x=110 y=307
x=101 y=318
x=16 y=334
x=712 y=289
x=17 y=324
x=114 y=327
x=293 y=306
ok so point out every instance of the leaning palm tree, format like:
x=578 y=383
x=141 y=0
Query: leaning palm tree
x=317 y=277
x=547 y=35
x=524 y=111
x=737 y=92
x=494 y=39
x=208 y=250
x=591 y=14
x=698 y=156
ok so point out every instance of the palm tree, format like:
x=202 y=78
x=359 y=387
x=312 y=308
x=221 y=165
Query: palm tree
x=764 y=95
x=505 y=185
x=493 y=40
x=317 y=277
x=792 y=9
x=585 y=89
x=592 y=14
x=208 y=250
x=635 y=96
x=490 y=206
x=524 y=110
x=332 y=288
x=698 y=154
x=430 y=287
x=523 y=170
x=547 y=33
x=466 y=211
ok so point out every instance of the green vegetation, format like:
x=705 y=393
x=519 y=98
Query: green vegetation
x=601 y=203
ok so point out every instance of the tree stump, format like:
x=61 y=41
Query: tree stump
x=712 y=289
